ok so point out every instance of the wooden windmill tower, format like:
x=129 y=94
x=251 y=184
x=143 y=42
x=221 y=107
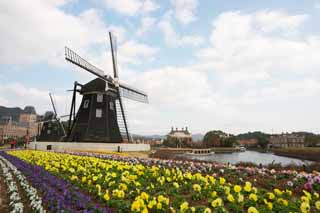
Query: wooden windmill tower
x=101 y=115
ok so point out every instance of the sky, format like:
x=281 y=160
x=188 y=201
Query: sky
x=236 y=66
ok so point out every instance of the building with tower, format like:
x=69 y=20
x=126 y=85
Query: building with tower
x=180 y=135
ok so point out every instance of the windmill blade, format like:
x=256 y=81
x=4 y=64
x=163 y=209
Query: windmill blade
x=53 y=106
x=113 y=44
x=74 y=58
x=132 y=93
x=56 y=115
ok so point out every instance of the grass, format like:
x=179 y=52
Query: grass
x=306 y=153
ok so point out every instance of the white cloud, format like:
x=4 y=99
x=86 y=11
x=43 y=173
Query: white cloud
x=255 y=74
x=172 y=38
x=185 y=10
x=131 y=7
x=136 y=53
x=317 y=5
x=18 y=95
x=147 y=24
x=40 y=34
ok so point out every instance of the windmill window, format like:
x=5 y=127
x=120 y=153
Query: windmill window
x=111 y=105
x=98 y=113
x=86 y=104
x=99 y=98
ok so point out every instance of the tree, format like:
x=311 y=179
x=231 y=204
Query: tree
x=228 y=142
x=217 y=138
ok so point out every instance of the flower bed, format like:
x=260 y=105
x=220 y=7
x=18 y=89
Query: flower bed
x=261 y=176
x=57 y=194
x=150 y=185
x=15 y=200
x=35 y=202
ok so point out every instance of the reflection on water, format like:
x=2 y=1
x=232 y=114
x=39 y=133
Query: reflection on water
x=250 y=156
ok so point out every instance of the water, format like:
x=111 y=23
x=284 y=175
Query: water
x=250 y=156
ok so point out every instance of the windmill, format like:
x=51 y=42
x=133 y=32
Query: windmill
x=51 y=127
x=101 y=116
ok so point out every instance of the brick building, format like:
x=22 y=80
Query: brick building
x=25 y=125
x=287 y=141
x=248 y=142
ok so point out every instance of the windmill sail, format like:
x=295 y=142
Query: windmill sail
x=133 y=94
x=56 y=115
x=113 y=44
x=74 y=58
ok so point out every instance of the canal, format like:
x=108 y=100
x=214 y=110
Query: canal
x=250 y=156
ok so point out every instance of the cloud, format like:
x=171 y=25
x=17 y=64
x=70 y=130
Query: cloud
x=16 y=94
x=147 y=24
x=317 y=5
x=172 y=38
x=131 y=7
x=185 y=10
x=136 y=53
x=40 y=34
x=254 y=74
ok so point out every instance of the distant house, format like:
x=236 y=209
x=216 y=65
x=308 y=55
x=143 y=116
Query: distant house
x=248 y=142
x=182 y=136
x=287 y=141
x=16 y=123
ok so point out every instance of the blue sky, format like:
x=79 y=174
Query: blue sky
x=232 y=65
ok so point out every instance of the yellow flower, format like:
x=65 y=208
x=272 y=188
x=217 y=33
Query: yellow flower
x=214 y=194
x=316 y=194
x=307 y=194
x=253 y=197
x=270 y=205
x=172 y=210
x=240 y=198
x=176 y=185
x=304 y=207
x=123 y=186
x=136 y=205
x=271 y=196
x=161 y=198
x=159 y=205
x=196 y=187
x=289 y=192
x=106 y=195
x=252 y=210
x=98 y=189
x=184 y=206
x=230 y=198
x=317 y=205
x=237 y=188
x=282 y=201
x=152 y=203
x=217 y=202
x=277 y=192
x=145 y=210
x=207 y=210
x=144 y=196
x=95 y=178
x=193 y=209
x=227 y=190
x=305 y=199
x=247 y=187
x=83 y=179
x=113 y=174
x=255 y=190
x=222 y=180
